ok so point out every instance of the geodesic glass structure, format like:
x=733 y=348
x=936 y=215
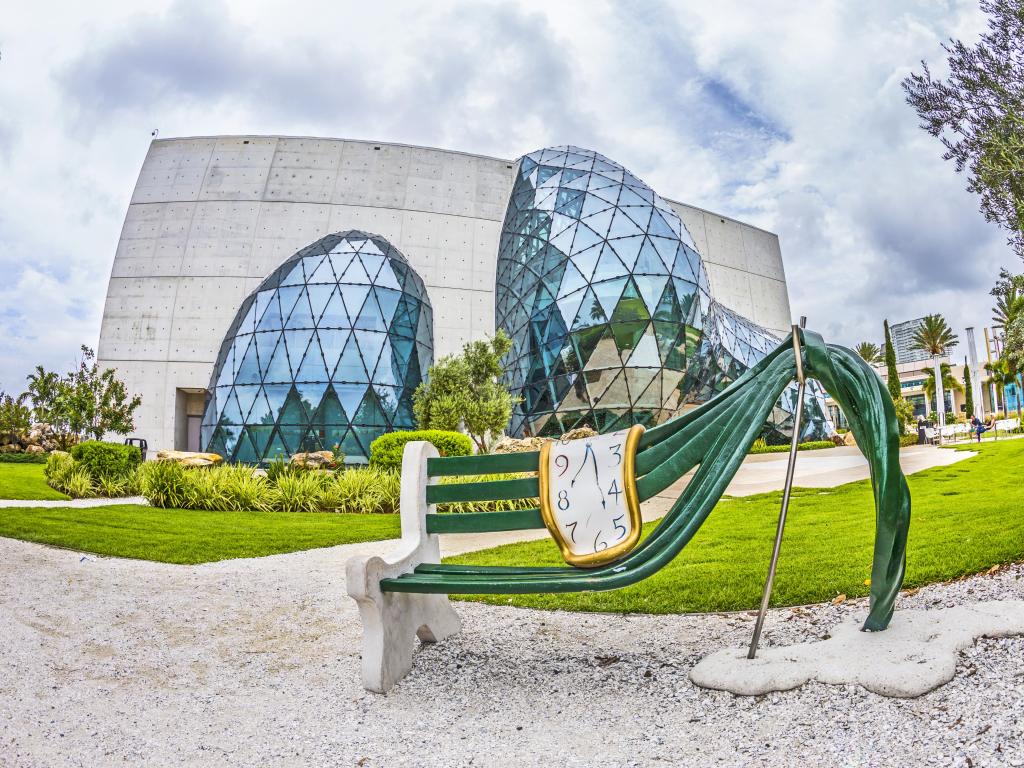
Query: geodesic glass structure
x=606 y=300
x=603 y=293
x=730 y=345
x=327 y=351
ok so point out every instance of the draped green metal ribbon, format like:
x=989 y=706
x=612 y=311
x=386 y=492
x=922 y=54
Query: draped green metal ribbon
x=715 y=438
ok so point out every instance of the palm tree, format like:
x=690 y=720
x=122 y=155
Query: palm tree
x=1003 y=375
x=934 y=336
x=1008 y=305
x=869 y=353
x=948 y=382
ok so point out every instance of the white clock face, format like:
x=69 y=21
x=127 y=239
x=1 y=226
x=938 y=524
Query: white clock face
x=587 y=493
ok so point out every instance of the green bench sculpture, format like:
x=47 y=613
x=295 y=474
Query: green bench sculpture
x=405 y=594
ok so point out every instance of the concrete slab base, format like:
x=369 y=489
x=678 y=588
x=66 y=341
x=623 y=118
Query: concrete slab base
x=916 y=654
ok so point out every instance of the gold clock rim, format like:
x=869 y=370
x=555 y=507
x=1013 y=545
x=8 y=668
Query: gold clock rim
x=605 y=556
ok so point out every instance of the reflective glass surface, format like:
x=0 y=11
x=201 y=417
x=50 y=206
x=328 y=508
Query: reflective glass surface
x=327 y=351
x=732 y=344
x=607 y=302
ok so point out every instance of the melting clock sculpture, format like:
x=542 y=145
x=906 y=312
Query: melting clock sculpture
x=588 y=496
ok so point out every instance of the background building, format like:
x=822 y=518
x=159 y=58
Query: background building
x=211 y=217
x=903 y=341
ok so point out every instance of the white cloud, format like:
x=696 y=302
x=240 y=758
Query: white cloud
x=786 y=115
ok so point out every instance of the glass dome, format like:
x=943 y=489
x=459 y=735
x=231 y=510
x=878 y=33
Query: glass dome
x=326 y=352
x=603 y=293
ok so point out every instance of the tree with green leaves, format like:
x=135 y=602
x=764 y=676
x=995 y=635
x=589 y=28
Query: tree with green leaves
x=949 y=382
x=15 y=418
x=1002 y=374
x=977 y=112
x=97 y=401
x=85 y=402
x=869 y=353
x=466 y=390
x=935 y=337
x=892 y=375
x=968 y=391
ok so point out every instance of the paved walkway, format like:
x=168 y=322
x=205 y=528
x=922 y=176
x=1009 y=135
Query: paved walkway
x=73 y=503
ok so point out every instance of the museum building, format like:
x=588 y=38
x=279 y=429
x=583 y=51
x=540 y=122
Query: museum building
x=271 y=294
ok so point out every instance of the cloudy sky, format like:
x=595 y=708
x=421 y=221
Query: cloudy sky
x=789 y=116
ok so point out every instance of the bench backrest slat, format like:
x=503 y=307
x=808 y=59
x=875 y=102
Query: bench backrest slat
x=483 y=464
x=493 y=490
x=485 y=522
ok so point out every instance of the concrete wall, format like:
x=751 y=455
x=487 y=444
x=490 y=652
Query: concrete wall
x=211 y=217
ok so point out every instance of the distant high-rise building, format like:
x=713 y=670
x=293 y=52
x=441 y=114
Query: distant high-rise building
x=903 y=342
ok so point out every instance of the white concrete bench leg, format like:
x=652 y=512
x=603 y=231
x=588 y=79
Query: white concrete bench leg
x=392 y=620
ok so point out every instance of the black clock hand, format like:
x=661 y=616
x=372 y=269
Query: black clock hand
x=583 y=463
x=597 y=480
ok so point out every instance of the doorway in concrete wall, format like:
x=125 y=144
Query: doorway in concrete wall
x=192 y=441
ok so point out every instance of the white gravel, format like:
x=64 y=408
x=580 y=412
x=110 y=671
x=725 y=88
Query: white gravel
x=254 y=663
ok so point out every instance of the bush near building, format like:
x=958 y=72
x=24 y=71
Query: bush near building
x=386 y=451
x=95 y=468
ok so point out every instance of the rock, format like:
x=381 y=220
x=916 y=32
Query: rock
x=512 y=445
x=849 y=439
x=9 y=448
x=35 y=449
x=314 y=460
x=190 y=459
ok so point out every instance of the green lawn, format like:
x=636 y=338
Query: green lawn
x=965 y=518
x=187 y=536
x=25 y=481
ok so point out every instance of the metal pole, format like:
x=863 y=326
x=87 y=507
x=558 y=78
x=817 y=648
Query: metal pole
x=801 y=388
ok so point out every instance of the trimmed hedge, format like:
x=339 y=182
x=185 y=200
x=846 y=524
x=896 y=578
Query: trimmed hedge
x=386 y=450
x=813 y=445
x=22 y=458
x=107 y=461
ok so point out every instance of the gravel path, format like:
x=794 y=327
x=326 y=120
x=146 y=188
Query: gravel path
x=255 y=663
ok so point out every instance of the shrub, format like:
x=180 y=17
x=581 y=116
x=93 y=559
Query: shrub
x=244 y=489
x=107 y=460
x=23 y=458
x=364 y=490
x=58 y=466
x=811 y=445
x=299 y=492
x=386 y=450
x=164 y=483
x=78 y=484
x=906 y=440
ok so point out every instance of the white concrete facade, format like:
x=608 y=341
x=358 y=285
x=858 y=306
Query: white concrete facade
x=211 y=217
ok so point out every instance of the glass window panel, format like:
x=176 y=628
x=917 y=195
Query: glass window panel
x=350 y=366
x=334 y=315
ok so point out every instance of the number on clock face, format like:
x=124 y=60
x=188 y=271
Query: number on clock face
x=586 y=493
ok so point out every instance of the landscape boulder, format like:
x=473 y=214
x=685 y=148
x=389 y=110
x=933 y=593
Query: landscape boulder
x=521 y=445
x=190 y=458
x=314 y=460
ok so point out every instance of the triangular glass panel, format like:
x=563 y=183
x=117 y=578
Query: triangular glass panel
x=276 y=394
x=386 y=278
x=278 y=369
x=355 y=274
x=260 y=412
x=350 y=395
x=350 y=365
x=249 y=367
x=323 y=273
x=301 y=315
x=313 y=367
x=276 y=449
x=334 y=314
x=295 y=276
x=319 y=295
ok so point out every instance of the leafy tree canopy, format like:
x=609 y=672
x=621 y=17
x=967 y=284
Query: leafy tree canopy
x=465 y=389
x=869 y=352
x=934 y=336
x=977 y=112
